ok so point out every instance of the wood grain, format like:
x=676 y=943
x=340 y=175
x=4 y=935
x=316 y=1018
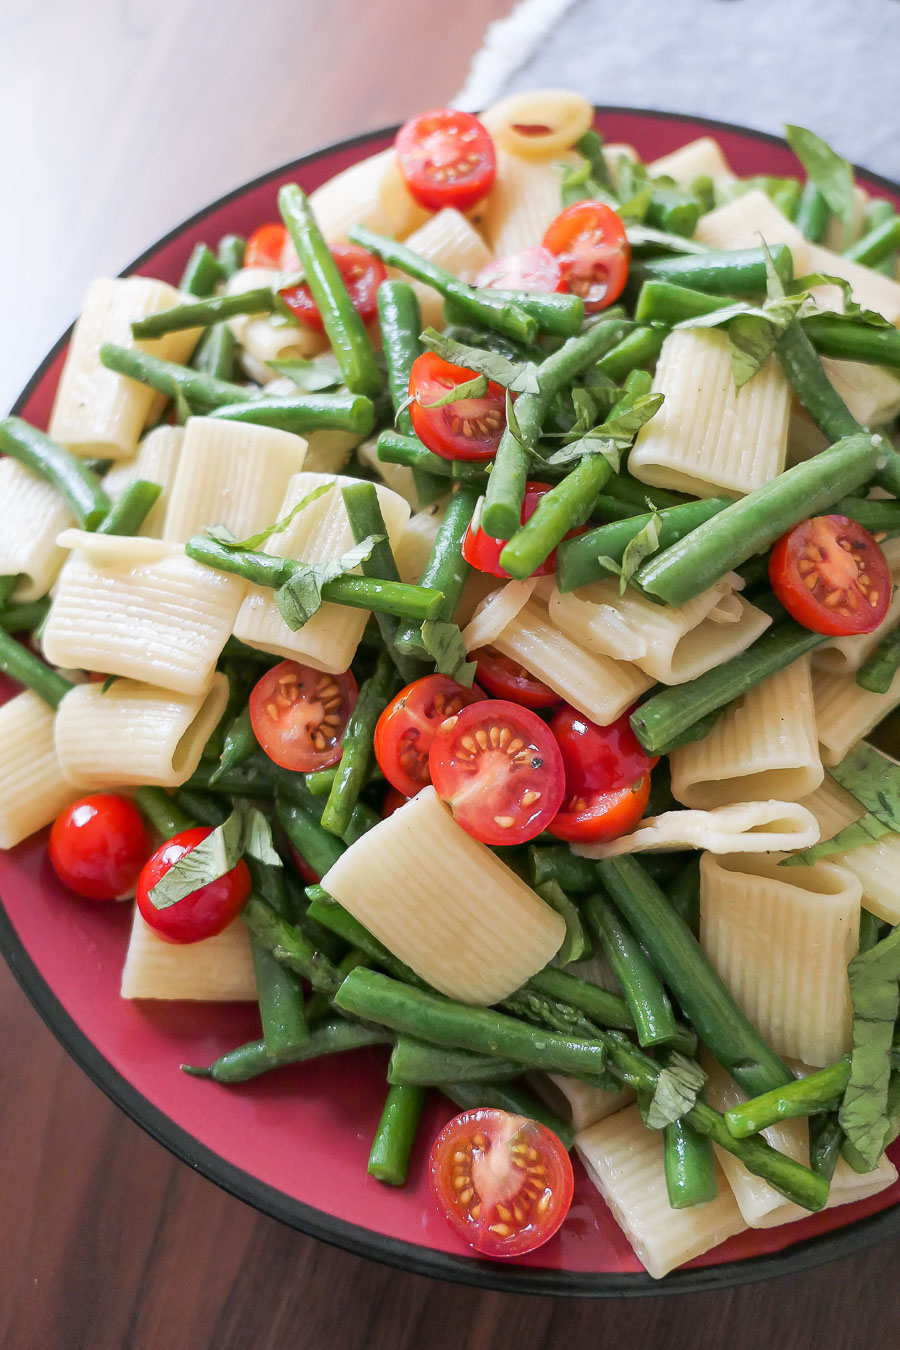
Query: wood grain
x=126 y=118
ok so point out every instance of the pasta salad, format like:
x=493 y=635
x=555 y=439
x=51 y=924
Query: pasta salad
x=463 y=617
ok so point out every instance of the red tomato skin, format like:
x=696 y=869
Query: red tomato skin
x=821 y=534
x=304 y=871
x=554 y=1185
x=534 y=269
x=598 y=759
x=482 y=551
x=284 y=737
x=404 y=731
x=392 y=801
x=440 y=429
x=503 y=678
x=362 y=273
x=600 y=817
x=435 y=152
x=590 y=241
x=267 y=246
x=98 y=846
x=206 y=911
x=494 y=815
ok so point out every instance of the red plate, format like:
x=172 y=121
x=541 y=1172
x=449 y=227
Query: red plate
x=257 y=1140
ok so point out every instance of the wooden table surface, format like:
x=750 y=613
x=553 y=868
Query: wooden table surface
x=120 y=119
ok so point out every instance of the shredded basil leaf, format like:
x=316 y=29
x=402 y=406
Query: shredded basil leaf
x=443 y=643
x=474 y=388
x=639 y=233
x=832 y=174
x=576 y=945
x=183 y=409
x=677 y=1088
x=245 y=831
x=321 y=373
x=224 y=536
x=864 y=831
x=864 y=1113
x=644 y=543
x=851 y=309
x=519 y=376
x=873 y=779
x=300 y=597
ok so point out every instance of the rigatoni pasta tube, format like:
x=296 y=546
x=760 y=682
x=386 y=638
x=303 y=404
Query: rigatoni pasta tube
x=450 y=241
x=764 y=746
x=233 y=474
x=156 y=461
x=538 y=124
x=846 y=713
x=321 y=531
x=370 y=193
x=781 y=939
x=439 y=899
x=268 y=337
x=32 y=788
x=32 y=514
x=741 y=827
x=525 y=198
x=702 y=158
x=580 y=1103
x=135 y=733
x=875 y=865
x=98 y=412
x=215 y=970
x=625 y=1162
x=140 y=608
x=709 y=437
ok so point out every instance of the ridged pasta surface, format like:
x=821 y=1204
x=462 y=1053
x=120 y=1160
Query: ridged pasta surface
x=32 y=788
x=876 y=865
x=846 y=713
x=32 y=514
x=215 y=970
x=156 y=461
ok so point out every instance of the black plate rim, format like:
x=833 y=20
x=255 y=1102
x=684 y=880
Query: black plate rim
x=349 y=1237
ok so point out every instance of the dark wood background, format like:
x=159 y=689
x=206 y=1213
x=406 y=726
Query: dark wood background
x=105 y=1239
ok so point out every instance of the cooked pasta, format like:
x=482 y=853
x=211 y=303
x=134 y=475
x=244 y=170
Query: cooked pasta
x=524 y=200
x=580 y=1103
x=839 y=655
x=268 y=337
x=32 y=788
x=214 y=970
x=451 y=241
x=742 y=827
x=539 y=123
x=876 y=865
x=32 y=514
x=368 y=193
x=156 y=461
x=846 y=713
x=700 y=158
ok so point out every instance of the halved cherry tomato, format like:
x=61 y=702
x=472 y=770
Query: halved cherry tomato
x=392 y=801
x=205 y=911
x=362 y=273
x=404 y=731
x=470 y=428
x=598 y=759
x=598 y=817
x=98 y=846
x=831 y=576
x=482 y=551
x=505 y=678
x=504 y=1183
x=498 y=768
x=446 y=158
x=534 y=269
x=270 y=246
x=298 y=715
x=590 y=242
x=304 y=871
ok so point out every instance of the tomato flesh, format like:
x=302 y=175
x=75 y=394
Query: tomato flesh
x=590 y=242
x=362 y=274
x=299 y=715
x=505 y=678
x=98 y=846
x=482 y=551
x=205 y=911
x=600 y=817
x=470 y=428
x=534 y=269
x=831 y=576
x=503 y=1183
x=405 y=730
x=598 y=759
x=498 y=768
x=447 y=158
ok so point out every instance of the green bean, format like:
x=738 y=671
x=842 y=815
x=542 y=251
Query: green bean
x=876 y=213
x=563 y=508
x=628 y=490
x=289 y=945
x=735 y=272
x=23 y=666
x=79 y=488
x=251 y=779
x=680 y=960
x=25 y=616
x=665 y=302
x=396 y=448
x=202 y=313
x=132 y=509
x=362 y=819
x=558 y=315
x=315 y=845
x=239 y=745
x=301 y=412
x=646 y=998
x=850 y=341
x=216 y=353
x=396 y=1134
x=400 y=322
x=825 y=1139
x=251 y=1060
x=820 y=1091
x=318 y=1008
x=870 y=927
x=636 y=350
x=812 y=386
x=202 y=392
x=689 y=1164
x=446 y=570
x=684 y=893
x=280 y=998
x=365 y=518
x=416 y=1062
x=357 y=755
x=577 y=559
x=204 y=808
x=673 y=211
x=873 y=514
x=511 y=1098
x=203 y=272
x=506 y=486
x=558 y=863
x=417 y=603
x=230 y=253
x=479 y=307
x=878 y=244
x=877 y=673
x=754 y=522
x=161 y=811
x=337 y=920
x=791 y=1179
x=345 y=329
x=416 y=1012
x=813 y=213
x=318 y=783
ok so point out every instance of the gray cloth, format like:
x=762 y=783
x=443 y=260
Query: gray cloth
x=831 y=65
